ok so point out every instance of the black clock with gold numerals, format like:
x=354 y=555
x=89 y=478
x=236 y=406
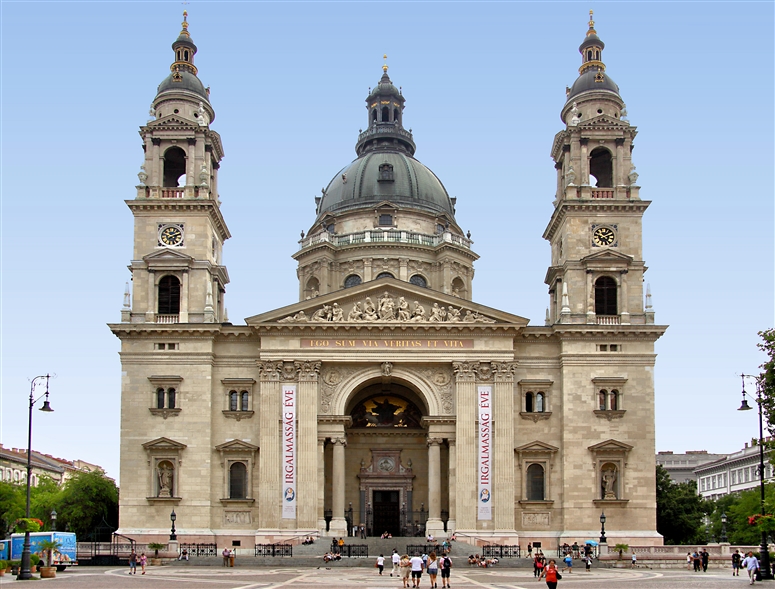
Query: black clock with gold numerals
x=604 y=236
x=171 y=236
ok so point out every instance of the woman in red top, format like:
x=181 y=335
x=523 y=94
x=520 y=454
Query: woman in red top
x=551 y=574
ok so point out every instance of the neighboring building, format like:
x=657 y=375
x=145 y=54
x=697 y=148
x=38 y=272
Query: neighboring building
x=733 y=473
x=13 y=466
x=681 y=467
x=386 y=395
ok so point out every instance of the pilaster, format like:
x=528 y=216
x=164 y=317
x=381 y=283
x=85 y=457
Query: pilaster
x=465 y=382
x=306 y=445
x=269 y=462
x=503 y=425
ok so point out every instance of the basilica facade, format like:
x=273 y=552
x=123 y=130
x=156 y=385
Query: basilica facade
x=386 y=396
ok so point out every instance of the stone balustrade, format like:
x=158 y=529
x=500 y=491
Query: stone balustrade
x=385 y=236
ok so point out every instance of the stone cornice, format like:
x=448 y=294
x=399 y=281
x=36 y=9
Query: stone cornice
x=399 y=248
x=414 y=330
x=585 y=331
x=154 y=330
x=183 y=205
x=588 y=207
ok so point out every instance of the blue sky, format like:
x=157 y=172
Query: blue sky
x=484 y=85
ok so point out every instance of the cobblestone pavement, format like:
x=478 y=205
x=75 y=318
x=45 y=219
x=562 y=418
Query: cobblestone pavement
x=316 y=578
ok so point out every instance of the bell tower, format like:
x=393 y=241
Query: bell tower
x=597 y=268
x=177 y=272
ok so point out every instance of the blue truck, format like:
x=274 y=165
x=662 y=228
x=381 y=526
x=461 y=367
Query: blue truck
x=64 y=557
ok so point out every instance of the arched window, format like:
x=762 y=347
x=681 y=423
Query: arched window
x=233 y=401
x=244 y=397
x=238 y=480
x=614 y=400
x=352 y=280
x=384 y=275
x=535 y=482
x=539 y=402
x=174 y=166
x=178 y=54
x=170 y=398
x=597 y=54
x=395 y=114
x=589 y=55
x=528 y=402
x=458 y=288
x=385 y=114
x=185 y=54
x=313 y=288
x=418 y=280
x=160 y=398
x=601 y=399
x=601 y=167
x=605 y=296
x=169 y=295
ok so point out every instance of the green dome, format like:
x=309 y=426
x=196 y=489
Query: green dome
x=413 y=186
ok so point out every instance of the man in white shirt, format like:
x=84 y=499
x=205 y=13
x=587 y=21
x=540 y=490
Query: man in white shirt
x=417 y=567
x=751 y=563
x=396 y=559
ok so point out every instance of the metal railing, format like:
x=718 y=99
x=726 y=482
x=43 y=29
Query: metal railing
x=501 y=551
x=207 y=549
x=350 y=550
x=273 y=550
x=426 y=549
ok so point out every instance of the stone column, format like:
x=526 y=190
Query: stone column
x=503 y=426
x=306 y=461
x=338 y=523
x=269 y=497
x=153 y=305
x=465 y=383
x=367 y=269
x=185 y=297
x=590 y=298
x=157 y=167
x=452 y=523
x=403 y=272
x=434 y=524
x=321 y=458
x=619 y=172
x=446 y=284
x=624 y=301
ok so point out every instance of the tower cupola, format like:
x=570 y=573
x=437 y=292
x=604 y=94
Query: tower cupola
x=184 y=49
x=592 y=50
x=385 y=107
x=592 y=76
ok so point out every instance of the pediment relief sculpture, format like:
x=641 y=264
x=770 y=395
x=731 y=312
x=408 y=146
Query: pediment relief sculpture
x=387 y=308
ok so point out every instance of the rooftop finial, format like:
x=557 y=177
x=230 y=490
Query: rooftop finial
x=385 y=67
x=591 y=30
x=184 y=24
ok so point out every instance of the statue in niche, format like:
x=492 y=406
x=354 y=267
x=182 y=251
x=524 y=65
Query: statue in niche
x=387 y=369
x=165 y=472
x=608 y=481
x=356 y=314
x=403 y=309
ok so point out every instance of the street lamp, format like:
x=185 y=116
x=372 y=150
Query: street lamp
x=25 y=574
x=173 y=517
x=723 y=527
x=53 y=520
x=603 y=539
x=764 y=549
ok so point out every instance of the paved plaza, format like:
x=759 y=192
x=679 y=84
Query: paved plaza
x=308 y=577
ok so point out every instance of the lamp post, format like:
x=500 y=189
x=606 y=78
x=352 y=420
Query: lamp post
x=766 y=570
x=53 y=520
x=24 y=573
x=603 y=539
x=173 y=517
x=723 y=527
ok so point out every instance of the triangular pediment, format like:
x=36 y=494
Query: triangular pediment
x=387 y=300
x=536 y=446
x=166 y=257
x=603 y=121
x=163 y=444
x=236 y=446
x=173 y=121
x=611 y=446
x=607 y=255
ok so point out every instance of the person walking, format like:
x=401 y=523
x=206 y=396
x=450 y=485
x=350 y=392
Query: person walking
x=538 y=565
x=143 y=562
x=568 y=560
x=751 y=563
x=417 y=568
x=446 y=569
x=225 y=555
x=133 y=562
x=634 y=561
x=551 y=574
x=688 y=561
x=736 y=563
x=704 y=556
x=381 y=563
x=696 y=560
x=405 y=564
x=588 y=563
x=396 y=560
x=433 y=569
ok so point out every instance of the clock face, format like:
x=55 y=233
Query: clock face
x=171 y=235
x=604 y=236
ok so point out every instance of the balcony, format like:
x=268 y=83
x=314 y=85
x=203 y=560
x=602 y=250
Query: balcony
x=167 y=318
x=608 y=320
x=602 y=193
x=384 y=236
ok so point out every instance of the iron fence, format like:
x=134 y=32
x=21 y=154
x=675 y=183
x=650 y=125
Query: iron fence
x=350 y=550
x=273 y=550
x=208 y=549
x=501 y=551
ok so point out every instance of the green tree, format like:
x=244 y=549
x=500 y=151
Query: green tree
x=680 y=511
x=12 y=505
x=766 y=379
x=86 y=500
